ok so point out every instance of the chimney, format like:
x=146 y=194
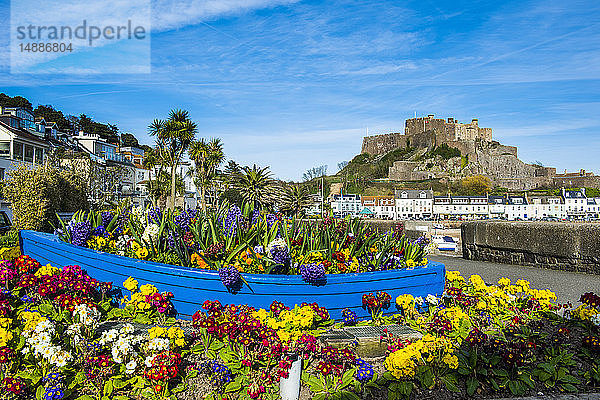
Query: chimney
x=450 y=120
x=430 y=116
x=475 y=121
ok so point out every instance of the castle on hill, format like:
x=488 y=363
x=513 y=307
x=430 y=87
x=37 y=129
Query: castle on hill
x=480 y=155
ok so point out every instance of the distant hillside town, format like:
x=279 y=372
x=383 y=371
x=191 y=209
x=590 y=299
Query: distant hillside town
x=407 y=204
x=450 y=150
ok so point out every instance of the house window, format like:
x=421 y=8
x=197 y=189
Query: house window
x=4 y=149
x=17 y=151
x=28 y=153
x=39 y=155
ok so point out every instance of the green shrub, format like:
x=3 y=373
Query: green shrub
x=445 y=151
x=37 y=194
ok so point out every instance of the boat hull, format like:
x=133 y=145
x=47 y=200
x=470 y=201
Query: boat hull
x=192 y=286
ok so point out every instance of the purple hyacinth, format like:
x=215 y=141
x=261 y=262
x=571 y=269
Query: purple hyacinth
x=230 y=276
x=312 y=273
x=271 y=219
x=182 y=220
x=106 y=218
x=80 y=232
x=280 y=255
x=231 y=221
x=100 y=230
x=155 y=215
x=255 y=216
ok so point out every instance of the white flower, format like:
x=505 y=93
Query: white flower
x=419 y=300
x=60 y=358
x=595 y=319
x=108 y=336
x=148 y=361
x=150 y=233
x=431 y=300
x=158 y=344
x=130 y=367
x=127 y=329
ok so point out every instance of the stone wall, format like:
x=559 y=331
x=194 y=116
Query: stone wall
x=562 y=246
x=381 y=144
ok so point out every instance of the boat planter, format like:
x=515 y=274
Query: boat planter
x=192 y=286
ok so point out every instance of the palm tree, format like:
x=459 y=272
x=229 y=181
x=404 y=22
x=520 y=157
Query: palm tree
x=256 y=185
x=173 y=137
x=207 y=156
x=295 y=200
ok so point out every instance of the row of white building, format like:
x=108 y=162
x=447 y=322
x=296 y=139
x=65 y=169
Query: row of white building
x=29 y=141
x=422 y=204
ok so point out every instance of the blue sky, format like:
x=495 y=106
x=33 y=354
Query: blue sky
x=296 y=84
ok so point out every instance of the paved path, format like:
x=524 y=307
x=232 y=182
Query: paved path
x=568 y=286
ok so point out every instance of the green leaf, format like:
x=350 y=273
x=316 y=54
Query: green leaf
x=119 y=384
x=232 y=387
x=472 y=385
x=39 y=393
x=567 y=387
x=108 y=388
x=451 y=383
x=85 y=397
x=516 y=388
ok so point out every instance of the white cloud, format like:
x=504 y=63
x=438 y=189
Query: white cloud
x=173 y=14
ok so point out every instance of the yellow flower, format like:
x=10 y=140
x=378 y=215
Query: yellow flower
x=47 y=270
x=284 y=336
x=504 y=282
x=5 y=337
x=148 y=289
x=177 y=335
x=130 y=284
x=141 y=253
x=410 y=263
x=260 y=315
x=100 y=241
x=450 y=360
x=454 y=276
x=156 y=331
x=405 y=302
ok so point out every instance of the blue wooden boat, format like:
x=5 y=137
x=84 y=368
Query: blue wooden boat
x=192 y=286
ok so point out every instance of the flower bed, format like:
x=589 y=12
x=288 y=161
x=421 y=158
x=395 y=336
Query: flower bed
x=477 y=339
x=232 y=241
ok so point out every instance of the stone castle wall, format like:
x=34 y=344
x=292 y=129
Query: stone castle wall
x=485 y=156
x=381 y=144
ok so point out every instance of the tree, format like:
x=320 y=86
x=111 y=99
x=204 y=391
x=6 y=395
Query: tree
x=476 y=185
x=105 y=131
x=207 y=156
x=17 y=101
x=315 y=172
x=295 y=200
x=128 y=140
x=173 y=137
x=342 y=165
x=256 y=185
x=51 y=115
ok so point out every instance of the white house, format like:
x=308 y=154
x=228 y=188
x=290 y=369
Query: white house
x=413 y=203
x=517 y=208
x=383 y=207
x=546 y=206
x=575 y=203
x=343 y=205
x=460 y=207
